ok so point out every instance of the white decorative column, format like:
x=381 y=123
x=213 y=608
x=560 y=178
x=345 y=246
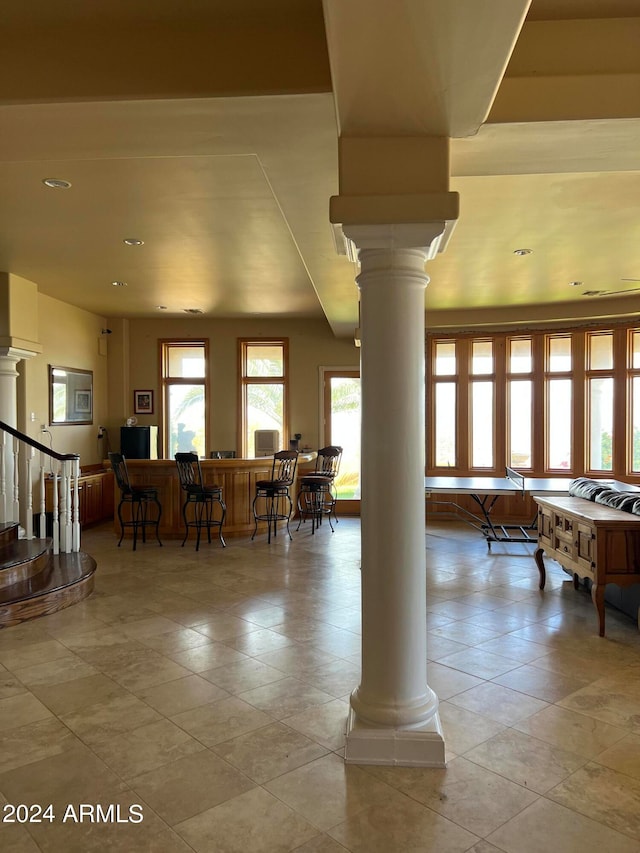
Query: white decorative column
x=9 y=358
x=394 y=713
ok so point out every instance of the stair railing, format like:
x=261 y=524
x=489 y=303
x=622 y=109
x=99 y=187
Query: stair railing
x=61 y=469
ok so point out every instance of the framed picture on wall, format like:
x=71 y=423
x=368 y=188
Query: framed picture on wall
x=82 y=401
x=143 y=402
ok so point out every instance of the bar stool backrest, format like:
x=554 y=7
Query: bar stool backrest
x=189 y=470
x=284 y=466
x=328 y=461
x=119 y=465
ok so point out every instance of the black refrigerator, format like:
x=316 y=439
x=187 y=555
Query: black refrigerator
x=139 y=442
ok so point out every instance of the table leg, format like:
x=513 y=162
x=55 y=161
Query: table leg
x=541 y=569
x=597 y=596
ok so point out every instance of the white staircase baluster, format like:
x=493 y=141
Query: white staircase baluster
x=43 y=499
x=15 y=512
x=56 y=514
x=76 y=505
x=29 y=488
x=3 y=479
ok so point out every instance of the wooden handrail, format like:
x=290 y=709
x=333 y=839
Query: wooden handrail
x=61 y=457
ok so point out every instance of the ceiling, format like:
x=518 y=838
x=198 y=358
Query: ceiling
x=209 y=130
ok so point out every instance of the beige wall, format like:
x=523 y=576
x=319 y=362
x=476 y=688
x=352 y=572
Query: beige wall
x=311 y=345
x=70 y=337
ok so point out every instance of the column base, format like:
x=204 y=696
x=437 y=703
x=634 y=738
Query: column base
x=419 y=747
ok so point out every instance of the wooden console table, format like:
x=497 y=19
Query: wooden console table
x=589 y=540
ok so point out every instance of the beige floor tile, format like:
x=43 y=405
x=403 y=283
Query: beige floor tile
x=548 y=826
x=295 y=660
x=72 y=695
x=56 y=671
x=145 y=669
x=321 y=844
x=611 y=702
x=184 y=788
x=243 y=675
x=447 y=682
x=268 y=752
x=208 y=656
x=464 y=632
x=545 y=685
x=253 y=821
x=175 y=641
x=10 y=685
x=105 y=719
x=21 y=657
x=623 y=756
x=346 y=789
x=439 y=647
x=219 y=721
x=285 y=698
x=75 y=776
x=223 y=626
x=470 y=796
x=107 y=834
x=260 y=641
x=498 y=703
x=464 y=729
x=325 y=724
x=603 y=794
x=145 y=748
x=514 y=648
x=481 y=664
x=183 y=694
x=401 y=825
x=576 y=732
x=21 y=710
x=31 y=743
x=336 y=678
x=525 y=760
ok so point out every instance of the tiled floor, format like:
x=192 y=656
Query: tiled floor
x=211 y=689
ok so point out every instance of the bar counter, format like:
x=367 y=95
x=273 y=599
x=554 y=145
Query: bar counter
x=236 y=476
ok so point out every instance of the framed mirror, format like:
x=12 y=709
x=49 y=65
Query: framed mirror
x=70 y=395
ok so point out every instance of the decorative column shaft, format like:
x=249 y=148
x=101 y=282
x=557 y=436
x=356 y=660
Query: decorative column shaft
x=394 y=713
x=9 y=415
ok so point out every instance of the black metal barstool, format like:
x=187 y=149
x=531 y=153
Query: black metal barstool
x=203 y=498
x=317 y=495
x=272 y=496
x=139 y=498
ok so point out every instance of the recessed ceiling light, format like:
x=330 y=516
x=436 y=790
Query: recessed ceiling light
x=522 y=251
x=193 y=310
x=576 y=283
x=161 y=307
x=56 y=183
x=133 y=241
x=119 y=283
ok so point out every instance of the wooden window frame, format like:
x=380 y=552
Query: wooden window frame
x=165 y=381
x=245 y=381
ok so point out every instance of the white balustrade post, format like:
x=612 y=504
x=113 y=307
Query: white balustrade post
x=3 y=478
x=56 y=512
x=15 y=510
x=76 y=505
x=28 y=521
x=43 y=499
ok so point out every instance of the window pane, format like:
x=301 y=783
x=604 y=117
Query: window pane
x=445 y=425
x=635 y=425
x=559 y=354
x=482 y=357
x=520 y=423
x=265 y=360
x=265 y=407
x=601 y=351
x=635 y=349
x=560 y=408
x=345 y=432
x=186 y=419
x=185 y=361
x=445 y=359
x=482 y=424
x=520 y=355
x=601 y=421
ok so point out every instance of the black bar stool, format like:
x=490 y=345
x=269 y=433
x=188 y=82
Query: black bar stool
x=272 y=502
x=139 y=498
x=317 y=495
x=202 y=497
